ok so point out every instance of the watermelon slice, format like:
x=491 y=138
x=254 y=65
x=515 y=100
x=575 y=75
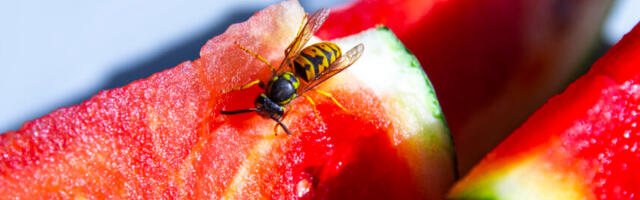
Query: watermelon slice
x=582 y=144
x=163 y=137
x=493 y=62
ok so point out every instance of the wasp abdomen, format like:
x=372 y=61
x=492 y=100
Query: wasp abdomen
x=315 y=59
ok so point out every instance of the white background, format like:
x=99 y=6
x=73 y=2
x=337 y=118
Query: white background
x=59 y=53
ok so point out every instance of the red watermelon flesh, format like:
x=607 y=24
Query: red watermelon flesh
x=163 y=137
x=492 y=62
x=582 y=144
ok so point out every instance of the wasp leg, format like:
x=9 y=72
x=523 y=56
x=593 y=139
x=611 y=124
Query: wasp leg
x=286 y=112
x=275 y=127
x=313 y=104
x=248 y=85
x=332 y=99
x=265 y=61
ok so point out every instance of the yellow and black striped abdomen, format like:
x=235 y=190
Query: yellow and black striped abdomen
x=315 y=59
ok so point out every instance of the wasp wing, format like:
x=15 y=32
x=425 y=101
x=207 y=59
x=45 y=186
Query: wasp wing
x=338 y=66
x=310 y=27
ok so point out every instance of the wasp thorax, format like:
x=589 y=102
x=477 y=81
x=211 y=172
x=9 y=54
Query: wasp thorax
x=282 y=88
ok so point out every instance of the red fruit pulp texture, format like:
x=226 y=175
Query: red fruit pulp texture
x=492 y=62
x=346 y=157
x=589 y=132
x=163 y=137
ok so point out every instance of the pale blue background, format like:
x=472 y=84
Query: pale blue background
x=59 y=53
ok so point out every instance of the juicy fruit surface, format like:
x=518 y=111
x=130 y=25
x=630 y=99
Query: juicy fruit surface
x=492 y=62
x=163 y=137
x=584 y=140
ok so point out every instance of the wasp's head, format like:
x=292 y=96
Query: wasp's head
x=267 y=108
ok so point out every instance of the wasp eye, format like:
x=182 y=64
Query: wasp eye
x=259 y=103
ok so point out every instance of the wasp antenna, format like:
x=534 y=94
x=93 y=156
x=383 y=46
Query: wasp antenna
x=282 y=125
x=238 y=111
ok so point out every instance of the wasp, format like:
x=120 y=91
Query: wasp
x=301 y=70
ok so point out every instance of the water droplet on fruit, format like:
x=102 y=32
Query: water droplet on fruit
x=634 y=124
x=303 y=187
x=614 y=141
x=626 y=133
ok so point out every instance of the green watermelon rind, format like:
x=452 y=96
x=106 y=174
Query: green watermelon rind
x=410 y=100
x=411 y=89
